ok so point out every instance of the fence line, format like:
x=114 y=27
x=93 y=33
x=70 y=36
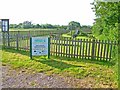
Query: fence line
x=67 y=47
x=82 y=48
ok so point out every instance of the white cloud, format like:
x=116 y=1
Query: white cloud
x=47 y=11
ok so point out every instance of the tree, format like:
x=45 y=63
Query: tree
x=27 y=24
x=20 y=25
x=106 y=22
x=73 y=25
x=36 y=26
x=13 y=26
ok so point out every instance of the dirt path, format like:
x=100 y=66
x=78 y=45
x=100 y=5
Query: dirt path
x=20 y=79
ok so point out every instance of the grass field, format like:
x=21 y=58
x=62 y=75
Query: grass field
x=78 y=37
x=28 y=29
x=104 y=75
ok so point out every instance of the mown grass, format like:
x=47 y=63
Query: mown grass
x=78 y=37
x=103 y=73
x=28 y=29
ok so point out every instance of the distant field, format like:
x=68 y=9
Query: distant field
x=29 y=29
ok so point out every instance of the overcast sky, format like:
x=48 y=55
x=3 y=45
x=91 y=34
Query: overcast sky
x=47 y=11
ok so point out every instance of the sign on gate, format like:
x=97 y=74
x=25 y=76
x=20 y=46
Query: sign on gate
x=39 y=46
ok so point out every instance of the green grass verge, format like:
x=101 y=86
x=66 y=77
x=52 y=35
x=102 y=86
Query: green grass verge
x=104 y=73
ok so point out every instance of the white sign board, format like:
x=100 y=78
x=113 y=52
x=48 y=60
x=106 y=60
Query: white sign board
x=39 y=46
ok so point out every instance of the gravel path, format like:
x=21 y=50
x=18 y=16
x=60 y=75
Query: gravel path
x=20 y=79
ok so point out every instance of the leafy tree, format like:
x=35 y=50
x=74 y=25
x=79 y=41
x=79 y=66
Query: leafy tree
x=64 y=27
x=20 y=25
x=106 y=22
x=27 y=24
x=56 y=26
x=36 y=26
x=48 y=26
x=13 y=26
x=73 y=25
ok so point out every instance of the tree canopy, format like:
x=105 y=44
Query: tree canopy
x=106 y=22
x=73 y=25
x=28 y=24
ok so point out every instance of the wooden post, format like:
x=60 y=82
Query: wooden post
x=93 y=48
x=101 y=56
x=8 y=39
x=104 y=50
x=48 y=47
x=30 y=47
x=86 y=50
x=75 y=48
x=17 y=40
x=80 y=48
x=3 y=39
x=89 y=49
x=66 y=47
x=107 y=50
x=98 y=54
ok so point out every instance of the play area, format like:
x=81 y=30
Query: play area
x=57 y=58
x=62 y=44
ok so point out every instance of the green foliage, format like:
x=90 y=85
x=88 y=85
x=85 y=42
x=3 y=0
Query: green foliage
x=106 y=19
x=37 y=26
x=46 y=26
x=73 y=25
x=106 y=25
x=13 y=26
x=26 y=24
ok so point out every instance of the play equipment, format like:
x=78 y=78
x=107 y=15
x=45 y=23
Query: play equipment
x=76 y=33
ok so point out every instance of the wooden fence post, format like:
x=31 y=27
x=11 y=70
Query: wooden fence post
x=17 y=40
x=49 y=48
x=8 y=39
x=93 y=48
x=3 y=39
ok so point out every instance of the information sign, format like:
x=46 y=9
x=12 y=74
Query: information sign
x=39 y=46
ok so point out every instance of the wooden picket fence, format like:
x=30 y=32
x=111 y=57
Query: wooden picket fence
x=67 y=47
x=20 y=40
x=82 y=48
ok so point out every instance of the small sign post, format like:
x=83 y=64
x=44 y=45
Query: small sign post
x=39 y=46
